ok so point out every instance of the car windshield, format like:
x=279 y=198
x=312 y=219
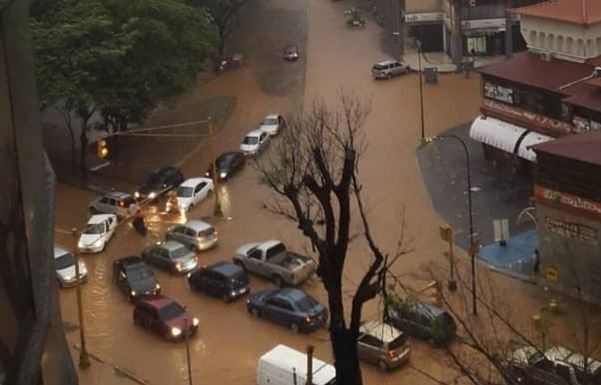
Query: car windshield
x=64 y=261
x=206 y=232
x=270 y=121
x=251 y=140
x=225 y=160
x=139 y=273
x=180 y=252
x=185 y=192
x=380 y=67
x=96 y=228
x=128 y=201
x=171 y=311
x=307 y=303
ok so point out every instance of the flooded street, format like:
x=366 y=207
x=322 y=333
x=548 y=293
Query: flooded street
x=229 y=340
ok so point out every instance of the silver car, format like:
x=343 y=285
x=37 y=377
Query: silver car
x=195 y=234
x=118 y=203
x=64 y=263
x=388 y=68
x=171 y=256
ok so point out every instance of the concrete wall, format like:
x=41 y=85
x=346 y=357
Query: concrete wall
x=577 y=258
x=567 y=41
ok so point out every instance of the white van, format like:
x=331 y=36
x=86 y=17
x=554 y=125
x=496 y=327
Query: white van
x=285 y=366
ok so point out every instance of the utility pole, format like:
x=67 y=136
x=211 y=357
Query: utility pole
x=84 y=358
x=310 y=349
x=401 y=4
x=187 y=337
x=217 y=203
x=456 y=35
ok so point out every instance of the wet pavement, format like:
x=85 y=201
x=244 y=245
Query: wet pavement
x=230 y=341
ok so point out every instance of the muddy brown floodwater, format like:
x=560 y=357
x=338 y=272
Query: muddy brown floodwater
x=229 y=340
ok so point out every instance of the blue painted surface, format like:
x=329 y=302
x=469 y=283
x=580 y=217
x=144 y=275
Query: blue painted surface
x=516 y=257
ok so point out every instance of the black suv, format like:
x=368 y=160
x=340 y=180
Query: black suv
x=223 y=280
x=160 y=181
x=421 y=320
x=135 y=278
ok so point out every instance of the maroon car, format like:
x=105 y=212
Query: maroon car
x=165 y=317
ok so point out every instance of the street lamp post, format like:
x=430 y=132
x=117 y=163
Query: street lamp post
x=187 y=338
x=217 y=203
x=418 y=45
x=472 y=249
x=84 y=358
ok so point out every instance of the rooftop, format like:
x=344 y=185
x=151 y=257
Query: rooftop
x=583 y=147
x=582 y=12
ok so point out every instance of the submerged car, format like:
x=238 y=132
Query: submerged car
x=193 y=191
x=227 y=164
x=222 y=280
x=64 y=263
x=159 y=182
x=254 y=142
x=118 y=203
x=165 y=317
x=272 y=124
x=172 y=256
x=196 y=234
x=288 y=307
x=383 y=345
x=291 y=53
x=134 y=278
x=97 y=233
x=422 y=320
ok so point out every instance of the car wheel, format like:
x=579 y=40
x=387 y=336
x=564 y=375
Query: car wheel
x=255 y=312
x=278 y=281
x=382 y=366
x=294 y=327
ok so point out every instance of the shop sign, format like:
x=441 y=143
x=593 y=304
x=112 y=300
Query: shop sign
x=554 y=125
x=567 y=200
x=423 y=17
x=551 y=274
x=484 y=24
x=494 y=91
x=571 y=230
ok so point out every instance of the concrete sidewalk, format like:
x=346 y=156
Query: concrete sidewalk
x=441 y=61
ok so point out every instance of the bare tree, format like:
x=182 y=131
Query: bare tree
x=314 y=167
x=500 y=346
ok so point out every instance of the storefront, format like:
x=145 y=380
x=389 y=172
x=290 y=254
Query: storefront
x=483 y=37
x=428 y=27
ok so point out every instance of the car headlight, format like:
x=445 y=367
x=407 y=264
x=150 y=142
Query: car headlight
x=133 y=293
x=233 y=293
x=136 y=194
x=83 y=270
x=178 y=265
x=223 y=174
x=207 y=174
x=175 y=332
x=152 y=195
x=195 y=321
x=157 y=287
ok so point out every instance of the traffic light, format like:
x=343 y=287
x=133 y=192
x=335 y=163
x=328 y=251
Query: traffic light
x=102 y=148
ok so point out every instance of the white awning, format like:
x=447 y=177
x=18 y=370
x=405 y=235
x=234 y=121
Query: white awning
x=506 y=136
x=531 y=139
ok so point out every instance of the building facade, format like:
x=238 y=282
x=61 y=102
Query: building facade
x=568 y=203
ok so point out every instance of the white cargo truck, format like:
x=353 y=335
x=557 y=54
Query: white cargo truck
x=285 y=366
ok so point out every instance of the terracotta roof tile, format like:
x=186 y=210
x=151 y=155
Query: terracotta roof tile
x=584 y=12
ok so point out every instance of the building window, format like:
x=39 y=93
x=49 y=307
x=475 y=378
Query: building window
x=476 y=45
x=559 y=43
x=569 y=45
x=580 y=48
x=541 y=39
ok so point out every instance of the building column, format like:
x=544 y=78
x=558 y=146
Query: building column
x=456 y=35
x=508 y=30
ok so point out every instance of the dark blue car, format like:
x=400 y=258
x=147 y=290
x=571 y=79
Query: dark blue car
x=289 y=307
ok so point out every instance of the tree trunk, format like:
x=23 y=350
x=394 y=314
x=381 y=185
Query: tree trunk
x=344 y=345
x=83 y=151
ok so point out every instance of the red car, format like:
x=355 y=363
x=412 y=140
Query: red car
x=165 y=317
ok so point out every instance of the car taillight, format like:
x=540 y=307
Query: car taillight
x=121 y=204
x=392 y=353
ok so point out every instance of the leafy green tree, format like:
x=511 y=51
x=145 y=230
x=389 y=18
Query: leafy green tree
x=223 y=14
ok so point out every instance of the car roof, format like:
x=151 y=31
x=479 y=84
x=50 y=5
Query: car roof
x=227 y=269
x=386 y=62
x=59 y=251
x=291 y=294
x=157 y=301
x=269 y=243
x=192 y=182
x=171 y=245
x=130 y=261
x=559 y=353
x=282 y=356
x=99 y=218
x=229 y=154
x=117 y=195
x=272 y=116
x=254 y=133
x=197 y=225
x=381 y=331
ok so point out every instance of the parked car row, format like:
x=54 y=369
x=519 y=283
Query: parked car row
x=255 y=141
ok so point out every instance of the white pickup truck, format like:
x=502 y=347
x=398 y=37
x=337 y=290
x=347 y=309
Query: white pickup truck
x=271 y=259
